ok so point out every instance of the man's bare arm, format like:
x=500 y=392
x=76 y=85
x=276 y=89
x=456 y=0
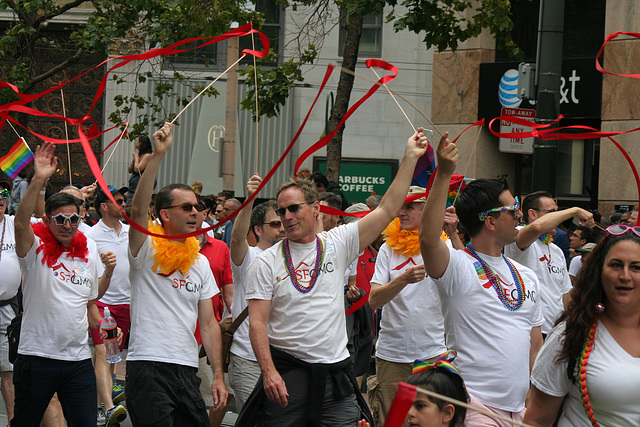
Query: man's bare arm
x=45 y=164
x=274 y=385
x=435 y=253
x=239 y=245
x=212 y=343
x=162 y=141
x=548 y=223
x=375 y=222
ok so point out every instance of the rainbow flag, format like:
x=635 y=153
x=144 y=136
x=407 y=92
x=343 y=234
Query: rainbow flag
x=18 y=158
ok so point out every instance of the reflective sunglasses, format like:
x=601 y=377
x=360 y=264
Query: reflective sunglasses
x=4 y=194
x=620 y=229
x=187 y=207
x=61 y=219
x=273 y=224
x=514 y=208
x=290 y=208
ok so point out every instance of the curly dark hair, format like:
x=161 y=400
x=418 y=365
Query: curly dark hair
x=587 y=292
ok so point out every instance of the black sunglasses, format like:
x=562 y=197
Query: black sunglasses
x=290 y=208
x=188 y=207
x=273 y=224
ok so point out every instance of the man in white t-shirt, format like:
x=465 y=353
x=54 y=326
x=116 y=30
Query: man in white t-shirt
x=267 y=229
x=171 y=289
x=490 y=304
x=60 y=268
x=297 y=324
x=411 y=326
x=10 y=268
x=111 y=235
x=534 y=249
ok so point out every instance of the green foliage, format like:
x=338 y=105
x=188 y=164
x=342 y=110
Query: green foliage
x=274 y=83
x=445 y=23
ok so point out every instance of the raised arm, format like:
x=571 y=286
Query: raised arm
x=548 y=223
x=162 y=140
x=45 y=164
x=374 y=223
x=435 y=253
x=239 y=245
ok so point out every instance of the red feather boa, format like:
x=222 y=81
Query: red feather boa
x=52 y=249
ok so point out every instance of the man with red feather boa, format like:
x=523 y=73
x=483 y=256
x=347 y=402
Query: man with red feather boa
x=60 y=268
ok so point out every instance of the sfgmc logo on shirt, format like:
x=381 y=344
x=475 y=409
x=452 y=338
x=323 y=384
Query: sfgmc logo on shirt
x=76 y=277
x=9 y=247
x=553 y=269
x=304 y=271
x=187 y=285
x=405 y=264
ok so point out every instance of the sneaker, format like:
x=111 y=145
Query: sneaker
x=102 y=420
x=115 y=415
x=117 y=394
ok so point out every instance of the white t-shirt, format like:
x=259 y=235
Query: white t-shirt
x=164 y=309
x=575 y=266
x=492 y=342
x=613 y=380
x=54 y=322
x=119 y=291
x=9 y=265
x=84 y=227
x=550 y=266
x=310 y=326
x=411 y=326
x=241 y=344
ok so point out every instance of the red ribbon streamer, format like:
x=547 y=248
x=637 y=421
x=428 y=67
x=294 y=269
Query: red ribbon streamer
x=325 y=140
x=400 y=406
x=607 y=40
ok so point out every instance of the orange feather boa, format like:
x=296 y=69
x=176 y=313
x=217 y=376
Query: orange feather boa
x=171 y=255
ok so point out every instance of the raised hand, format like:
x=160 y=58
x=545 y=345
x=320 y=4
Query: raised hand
x=447 y=155
x=45 y=163
x=253 y=184
x=163 y=139
x=417 y=144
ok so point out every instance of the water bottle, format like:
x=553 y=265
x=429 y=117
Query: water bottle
x=109 y=333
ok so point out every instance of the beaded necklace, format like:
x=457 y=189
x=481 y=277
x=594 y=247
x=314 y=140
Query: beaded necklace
x=584 y=359
x=288 y=263
x=496 y=283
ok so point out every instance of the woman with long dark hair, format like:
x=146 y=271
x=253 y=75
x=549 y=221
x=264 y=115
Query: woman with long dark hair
x=590 y=363
x=138 y=164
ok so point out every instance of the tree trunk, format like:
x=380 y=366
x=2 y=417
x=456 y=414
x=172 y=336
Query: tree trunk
x=343 y=94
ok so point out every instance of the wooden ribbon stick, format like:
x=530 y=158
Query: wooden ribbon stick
x=466 y=169
x=471 y=407
x=114 y=149
x=66 y=132
x=255 y=76
x=206 y=88
x=395 y=100
x=346 y=70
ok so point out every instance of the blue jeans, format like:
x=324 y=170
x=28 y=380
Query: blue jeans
x=36 y=379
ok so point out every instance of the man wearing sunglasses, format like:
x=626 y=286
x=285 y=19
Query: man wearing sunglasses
x=171 y=288
x=490 y=304
x=60 y=268
x=534 y=248
x=267 y=229
x=297 y=323
x=112 y=236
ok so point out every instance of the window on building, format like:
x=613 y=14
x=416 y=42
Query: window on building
x=214 y=57
x=371 y=39
x=272 y=28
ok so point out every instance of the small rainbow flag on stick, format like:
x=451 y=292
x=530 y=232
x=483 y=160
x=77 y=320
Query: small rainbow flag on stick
x=18 y=158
